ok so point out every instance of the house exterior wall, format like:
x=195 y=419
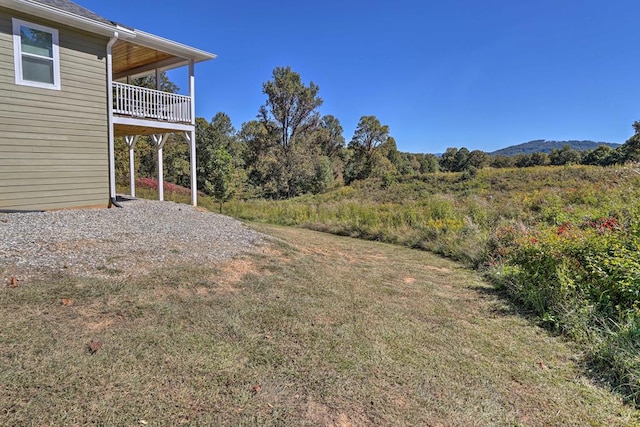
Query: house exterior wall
x=53 y=143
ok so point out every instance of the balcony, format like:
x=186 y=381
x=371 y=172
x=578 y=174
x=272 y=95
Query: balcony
x=142 y=103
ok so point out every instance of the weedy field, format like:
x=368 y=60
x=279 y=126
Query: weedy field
x=563 y=242
x=311 y=329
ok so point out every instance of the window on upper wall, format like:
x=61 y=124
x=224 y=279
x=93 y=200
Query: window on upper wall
x=36 y=55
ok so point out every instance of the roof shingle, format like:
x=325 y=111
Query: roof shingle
x=76 y=9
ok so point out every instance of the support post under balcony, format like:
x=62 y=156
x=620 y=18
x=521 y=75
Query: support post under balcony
x=159 y=140
x=131 y=140
x=191 y=139
x=192 y=135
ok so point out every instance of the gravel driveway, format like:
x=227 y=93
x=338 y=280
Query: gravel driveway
x=143 y=235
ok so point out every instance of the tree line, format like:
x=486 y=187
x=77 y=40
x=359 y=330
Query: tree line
x=289 y=149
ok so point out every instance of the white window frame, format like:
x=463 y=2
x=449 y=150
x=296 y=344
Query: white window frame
x=17 y=54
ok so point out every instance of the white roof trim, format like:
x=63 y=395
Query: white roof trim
x=136 y=36
x=178 y=49
x=67 y=18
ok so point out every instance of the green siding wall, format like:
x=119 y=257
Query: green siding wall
x=53 y=144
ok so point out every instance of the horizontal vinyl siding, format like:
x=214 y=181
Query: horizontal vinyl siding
x=75 y=109
x=53 y=144
x=53 y=116
x=42 y=175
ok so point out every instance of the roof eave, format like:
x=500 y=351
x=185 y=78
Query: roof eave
x=67 y=18
x=165 y=45
x=137 y=36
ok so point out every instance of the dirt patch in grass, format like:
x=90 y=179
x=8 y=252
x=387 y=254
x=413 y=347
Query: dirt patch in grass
x=234 y=272
x=323 y=415
x=100 y=326
x=442 y=269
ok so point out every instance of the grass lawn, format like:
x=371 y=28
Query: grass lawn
x=312 y=329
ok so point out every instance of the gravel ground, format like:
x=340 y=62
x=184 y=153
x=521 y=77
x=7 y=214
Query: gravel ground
x=143 y=235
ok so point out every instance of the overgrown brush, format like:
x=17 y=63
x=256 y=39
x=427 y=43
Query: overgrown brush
x=583 y=279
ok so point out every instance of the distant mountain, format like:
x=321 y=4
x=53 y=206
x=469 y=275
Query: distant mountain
x=544 y=146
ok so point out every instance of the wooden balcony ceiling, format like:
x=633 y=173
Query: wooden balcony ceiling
x=124 y=130
x=129 y=56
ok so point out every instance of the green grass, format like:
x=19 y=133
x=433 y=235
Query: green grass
x=312 y=329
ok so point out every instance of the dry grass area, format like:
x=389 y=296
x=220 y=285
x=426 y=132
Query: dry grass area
x=311 y=330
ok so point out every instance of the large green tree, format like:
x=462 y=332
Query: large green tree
x=461 y=159
x=630 y=150
x=369 y=136
x=291 y=107
x=330 y=136
x=602 y=155
x=284 y=147
x=448 y=161
x=454 y=160
x=219 y=160
x=565 y=156
x=478 y=159
x=428 y=163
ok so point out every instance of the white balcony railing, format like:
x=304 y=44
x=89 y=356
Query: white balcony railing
x=152 y=104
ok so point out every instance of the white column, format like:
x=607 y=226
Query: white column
x=160 y=176
x=191 y=139
x=192 y=91
x=132 y=173
x=131 y=140
x=159 y=140
x=191 y=136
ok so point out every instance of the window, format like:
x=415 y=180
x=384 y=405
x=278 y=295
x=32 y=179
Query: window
x=36 y=55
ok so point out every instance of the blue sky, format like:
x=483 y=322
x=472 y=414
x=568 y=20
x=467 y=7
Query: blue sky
x=479 y=74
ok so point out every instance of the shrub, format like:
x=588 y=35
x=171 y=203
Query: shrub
x=577 y=278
